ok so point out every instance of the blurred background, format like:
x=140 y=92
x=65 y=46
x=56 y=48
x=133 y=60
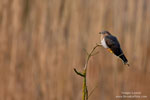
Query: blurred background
x=41 y=41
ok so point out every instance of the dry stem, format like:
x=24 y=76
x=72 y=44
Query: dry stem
x=83 y=74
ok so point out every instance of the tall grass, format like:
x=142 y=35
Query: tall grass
x=41 y=41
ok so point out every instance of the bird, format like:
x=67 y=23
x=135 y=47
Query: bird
x=111 y=43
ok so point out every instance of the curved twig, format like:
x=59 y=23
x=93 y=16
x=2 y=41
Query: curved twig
x=84 y=88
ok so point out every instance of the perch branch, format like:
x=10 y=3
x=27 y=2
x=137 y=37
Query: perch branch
x=83 y=74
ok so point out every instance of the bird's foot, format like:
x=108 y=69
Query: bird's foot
x=98 y=44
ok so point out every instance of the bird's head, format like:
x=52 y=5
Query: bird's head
x=104 y=33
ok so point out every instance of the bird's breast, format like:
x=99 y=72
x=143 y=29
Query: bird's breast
x=103 y=42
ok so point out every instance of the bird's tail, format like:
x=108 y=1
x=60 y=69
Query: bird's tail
x=124 y=59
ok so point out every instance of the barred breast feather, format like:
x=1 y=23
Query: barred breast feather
x=103 y=42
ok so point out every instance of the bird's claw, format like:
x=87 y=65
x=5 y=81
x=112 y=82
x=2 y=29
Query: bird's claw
x=98 y=44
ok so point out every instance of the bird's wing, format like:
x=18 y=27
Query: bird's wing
x=111 y=41
x=113 y=44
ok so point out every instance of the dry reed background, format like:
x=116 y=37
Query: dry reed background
x=41 y=41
